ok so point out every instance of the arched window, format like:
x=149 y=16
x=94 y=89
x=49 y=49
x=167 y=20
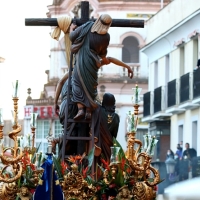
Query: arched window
x=130 y=50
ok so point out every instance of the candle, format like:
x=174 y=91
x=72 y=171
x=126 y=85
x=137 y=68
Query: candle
x=114 y=154
x=29 y=140
x=33 y=119
x=132 y=123
x=136 y=94
x=16 y=88
x=152 y=143
x=1 y=116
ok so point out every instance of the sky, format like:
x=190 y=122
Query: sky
x=26 y=51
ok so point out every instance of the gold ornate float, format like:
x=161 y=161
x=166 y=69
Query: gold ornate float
x=129 y=175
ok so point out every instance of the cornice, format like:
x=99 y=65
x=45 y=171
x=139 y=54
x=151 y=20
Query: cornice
x=128 y=6
x=107 y=79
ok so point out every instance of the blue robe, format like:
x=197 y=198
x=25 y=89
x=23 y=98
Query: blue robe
x=44 y=191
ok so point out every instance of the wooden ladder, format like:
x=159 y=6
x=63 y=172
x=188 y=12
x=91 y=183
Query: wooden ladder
x=67 y=133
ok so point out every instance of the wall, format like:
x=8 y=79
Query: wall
x=172 y=14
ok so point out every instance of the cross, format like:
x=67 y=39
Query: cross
x=84 y=18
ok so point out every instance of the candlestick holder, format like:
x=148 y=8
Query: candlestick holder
x=33 y=136
x=140 y=161
x=16 y=90
x=14 y=161
x=14 y=158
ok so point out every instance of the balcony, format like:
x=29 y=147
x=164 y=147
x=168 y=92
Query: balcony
x=121 y=74
x=176 y=97
x=41 y=102
x=196 y=86
x=154 y=105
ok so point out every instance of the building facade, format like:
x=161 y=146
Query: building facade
x=124 y=45
x=171 y=106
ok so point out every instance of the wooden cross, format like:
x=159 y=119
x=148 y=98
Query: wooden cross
x=84 y=18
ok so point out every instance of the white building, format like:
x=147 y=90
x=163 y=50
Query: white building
x=172 y=104
x=124 y=45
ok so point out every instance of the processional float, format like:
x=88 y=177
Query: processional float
x=129 y=175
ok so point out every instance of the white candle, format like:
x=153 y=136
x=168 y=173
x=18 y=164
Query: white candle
x=33 y=119
x=16 y=88
x=29 y=140
x=136 y=94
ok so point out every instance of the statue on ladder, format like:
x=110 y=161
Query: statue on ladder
x=89 y=46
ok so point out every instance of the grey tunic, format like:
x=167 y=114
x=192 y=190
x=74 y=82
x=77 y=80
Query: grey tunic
x=89 y=48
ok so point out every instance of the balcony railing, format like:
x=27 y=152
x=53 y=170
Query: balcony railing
x=124 y=72
x=184 y=87
x=171 y=93
x=196 y=83
x=179 y=94
x=157 y=99
x=147 y=97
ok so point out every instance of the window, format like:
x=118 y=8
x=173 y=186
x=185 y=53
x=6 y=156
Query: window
x=39 y=130
x=57 y=128
x=194 y=135
x=46 y=128
x=45 y=145
x=180 y=133
x=130 y=50
x=42 y=132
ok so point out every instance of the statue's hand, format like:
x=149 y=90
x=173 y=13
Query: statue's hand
x=57 y=109
x=73 y=27
x=130 y=73
x=105 y=61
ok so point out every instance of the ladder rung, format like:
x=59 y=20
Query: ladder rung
x=78 y=138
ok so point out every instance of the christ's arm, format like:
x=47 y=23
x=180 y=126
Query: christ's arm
x=108 y=60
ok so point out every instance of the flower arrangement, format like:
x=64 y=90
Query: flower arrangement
x=112 y=180
x=32 y=171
